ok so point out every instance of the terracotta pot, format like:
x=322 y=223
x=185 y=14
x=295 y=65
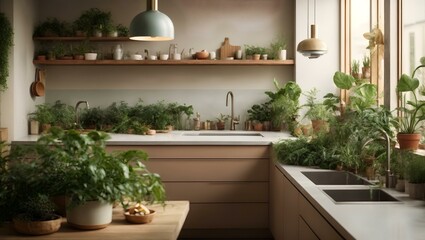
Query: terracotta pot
x=220 y=125
x=45 y=127
x=370 y=172
x=37 y=227
x=256 y=56
x=319 y=126
x=408 y=141
x=41 y=57
x=365 y=72
x=258 y=126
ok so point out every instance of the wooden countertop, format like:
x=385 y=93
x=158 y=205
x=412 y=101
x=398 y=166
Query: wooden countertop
x=166 y=225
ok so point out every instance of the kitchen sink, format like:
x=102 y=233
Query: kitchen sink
x=335 y=178
x=224 y=134
x=360 y=195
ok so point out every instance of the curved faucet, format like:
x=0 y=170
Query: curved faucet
x=233 y=121
x=389 y=178
x=77 y=117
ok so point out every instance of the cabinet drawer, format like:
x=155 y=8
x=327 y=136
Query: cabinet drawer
x=210 y=169
x=218 y=192
x=196 y=151
x=321 y=228
x=241 y=215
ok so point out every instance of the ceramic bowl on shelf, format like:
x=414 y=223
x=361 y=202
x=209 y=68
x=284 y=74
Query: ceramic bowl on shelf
x=202 y=54
x=136 y=57
x=90 y=56
x=140 y=219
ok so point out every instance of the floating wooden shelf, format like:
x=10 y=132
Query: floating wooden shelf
x=167 y=62
x=70 y=39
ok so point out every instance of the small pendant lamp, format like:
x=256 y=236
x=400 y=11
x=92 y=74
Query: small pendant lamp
x=312 y=47
x=151 y=25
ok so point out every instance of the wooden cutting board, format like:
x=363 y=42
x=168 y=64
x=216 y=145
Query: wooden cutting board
x=227 y=50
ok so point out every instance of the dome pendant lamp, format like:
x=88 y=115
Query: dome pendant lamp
x=151 y=25
x=312 y=47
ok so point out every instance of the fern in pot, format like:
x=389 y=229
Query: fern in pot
x=318 y=112
x=93 y=179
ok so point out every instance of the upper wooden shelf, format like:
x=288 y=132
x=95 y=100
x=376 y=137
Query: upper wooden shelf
x=167 y=62
x=98 y=39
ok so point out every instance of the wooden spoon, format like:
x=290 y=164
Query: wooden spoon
x=39 y=86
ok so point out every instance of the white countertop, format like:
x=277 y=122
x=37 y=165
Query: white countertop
x=186 y=138
x=374 y=220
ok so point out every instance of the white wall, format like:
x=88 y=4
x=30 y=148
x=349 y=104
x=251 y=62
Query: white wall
x=16 y=101
x=200 y=24
x=318 y=73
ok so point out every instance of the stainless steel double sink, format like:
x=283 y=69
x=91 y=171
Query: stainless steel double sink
x=350 y=187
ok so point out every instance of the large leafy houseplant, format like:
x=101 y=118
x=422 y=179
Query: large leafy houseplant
x=412 y=109
x=6 y=42
x=80 y=167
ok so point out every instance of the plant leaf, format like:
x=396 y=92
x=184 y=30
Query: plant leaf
x=407 y=84
x=343 y=80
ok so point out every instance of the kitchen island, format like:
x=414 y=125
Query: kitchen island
x=166 y=225
x=224 y=175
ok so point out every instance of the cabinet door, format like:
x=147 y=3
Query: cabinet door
x=316 y=221
x=305 y=232
x=277 y=194
x=290 y=210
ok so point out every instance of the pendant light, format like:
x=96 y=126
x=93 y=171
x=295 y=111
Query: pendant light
x=312 y=47
x=151 y=25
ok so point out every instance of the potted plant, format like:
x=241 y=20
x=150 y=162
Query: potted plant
x=318 y=113
x=38 y=217
x=43 y=115
x=412 y=109
x=278 y=49
x=52 y=27
x=63 y=115
x=122 y=30
x=94 y=179
x=260 y=115
x=254 y=52
x=355 y=69
x=6 y=42
x=221 y=121
x=416 y=177
x=92 y=20
x=366 y=67
x=92 y=118
x=284 y=104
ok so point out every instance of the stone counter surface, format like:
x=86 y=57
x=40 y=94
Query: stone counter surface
x=187 y=138
x=374 y=220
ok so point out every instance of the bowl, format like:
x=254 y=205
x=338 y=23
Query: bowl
x=163 y=57
x=136 y=57
x=202 y=54
x=140 y=219
x=90 y=56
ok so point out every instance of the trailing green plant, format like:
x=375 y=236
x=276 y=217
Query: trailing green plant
x=6 y=43
x=412 y=109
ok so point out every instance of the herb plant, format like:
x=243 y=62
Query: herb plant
x=6 y=42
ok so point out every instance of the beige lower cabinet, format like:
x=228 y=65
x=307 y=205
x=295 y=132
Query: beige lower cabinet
x=292 y=216
x=227 y=186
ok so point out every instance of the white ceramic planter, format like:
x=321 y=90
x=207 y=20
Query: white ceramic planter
x=90 y=215
x=282 y=55
x=90 y=56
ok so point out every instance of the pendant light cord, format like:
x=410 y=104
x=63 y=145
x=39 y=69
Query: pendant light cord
x=308 y=18
x=314 y=12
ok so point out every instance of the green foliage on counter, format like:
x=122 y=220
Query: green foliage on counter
x=67 y=163
x=6 y=42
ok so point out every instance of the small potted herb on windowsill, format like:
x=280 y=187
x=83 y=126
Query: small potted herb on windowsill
x=366 y=67
x=355 y=69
